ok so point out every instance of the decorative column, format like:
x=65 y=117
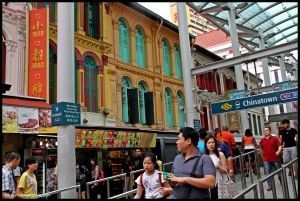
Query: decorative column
x=115 y=44
x=21 y=61
x=132 y=35
x=100 y=86
x=172 y=63
x=80 y=18
x=11 y=59
x=176 y=112
x=149 y=53
x=158 y=104
x=80 y=82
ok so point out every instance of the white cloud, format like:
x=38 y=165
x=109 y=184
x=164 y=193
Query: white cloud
x=161 y=8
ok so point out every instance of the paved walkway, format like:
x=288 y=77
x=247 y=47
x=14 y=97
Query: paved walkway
x=267 y=194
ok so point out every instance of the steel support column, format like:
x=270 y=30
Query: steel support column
x=237 y=68
x=266 y=74
x=187 y=63
x=66 y=93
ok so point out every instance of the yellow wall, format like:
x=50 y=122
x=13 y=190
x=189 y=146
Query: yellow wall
x=113 y=72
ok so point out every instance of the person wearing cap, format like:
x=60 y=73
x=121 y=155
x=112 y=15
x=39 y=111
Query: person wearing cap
x=27 y=187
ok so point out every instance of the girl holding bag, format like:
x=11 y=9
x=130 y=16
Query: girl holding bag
x=218 y=159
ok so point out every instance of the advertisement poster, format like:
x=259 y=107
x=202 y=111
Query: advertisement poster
x=10 y=119
x=234 y=120
x=45 y=122
x=90 y=138
x=28 y=120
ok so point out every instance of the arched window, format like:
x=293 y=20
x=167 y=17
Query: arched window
x=126 y=84
x=178 y=62
x=166 y=58
x=140 y=47
x=90 y=84
x=52 y=76
x=3 y=70
x=180 y=110
x=91 y=19
x=142 y=109
x=123 y=40
x=168 y=106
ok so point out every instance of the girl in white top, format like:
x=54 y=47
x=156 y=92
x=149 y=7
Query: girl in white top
x=150 y=180
x=218 y=159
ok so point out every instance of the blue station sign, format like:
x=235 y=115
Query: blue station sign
x=255 y=101
x=237 y=94
x=197 y=124
x=282 y=86
x=64 y=113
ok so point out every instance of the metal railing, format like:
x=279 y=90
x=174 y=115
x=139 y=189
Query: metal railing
x=124 y=195
x=132 y=177
x=284 y=183
x=107 y=179
x=46 y=195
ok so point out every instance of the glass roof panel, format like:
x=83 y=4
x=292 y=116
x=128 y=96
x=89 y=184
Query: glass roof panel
x=280 y=18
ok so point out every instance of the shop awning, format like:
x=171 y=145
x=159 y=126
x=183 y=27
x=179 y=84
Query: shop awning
x=24 y=102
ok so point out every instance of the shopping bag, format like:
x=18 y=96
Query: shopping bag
x=226 y=188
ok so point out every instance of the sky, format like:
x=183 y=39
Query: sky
x=160 y=8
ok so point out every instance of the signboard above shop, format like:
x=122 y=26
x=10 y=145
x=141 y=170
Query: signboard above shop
x=282 y=86
x=197 y=124
x=64 y=113
x=262 y=100
x=237 y=94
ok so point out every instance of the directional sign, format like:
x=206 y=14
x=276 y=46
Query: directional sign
x=237 y=94
x=255 y=101
x=64 y=113
x=279 y=117
x=197 y=124
x=282 y=86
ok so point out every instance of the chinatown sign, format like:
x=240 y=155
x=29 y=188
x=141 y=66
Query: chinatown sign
x=38 y=52
x=263 y=100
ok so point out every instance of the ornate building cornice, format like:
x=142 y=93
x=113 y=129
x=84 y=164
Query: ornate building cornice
x=229 y=74
x=83 y=41
x=209 y=97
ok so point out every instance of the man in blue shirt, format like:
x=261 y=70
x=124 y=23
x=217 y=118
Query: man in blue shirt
x=201 y=144
x=188 y=185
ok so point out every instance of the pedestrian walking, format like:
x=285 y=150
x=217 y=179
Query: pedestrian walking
x=138 y=163
x=219 y=161
x=95 y=174
x=289 y=138
x=127 y=167
x=9 y=183
x=270 y=150
x=248 y=145
x=201 y=143
x=27 y=188
x=151 y=181
x=193 y=172
x=82 y=177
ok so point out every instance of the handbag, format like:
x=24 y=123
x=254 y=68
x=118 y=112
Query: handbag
x=226 y=188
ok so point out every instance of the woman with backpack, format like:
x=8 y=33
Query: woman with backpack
x=151 y=180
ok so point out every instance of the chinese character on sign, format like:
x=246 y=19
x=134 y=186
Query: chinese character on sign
x=38 y=26
x=37 y=55
x=37 y=89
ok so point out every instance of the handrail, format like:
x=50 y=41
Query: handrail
x=252 y=187
x=123 y=194
x=60 y=190
x=104 y=179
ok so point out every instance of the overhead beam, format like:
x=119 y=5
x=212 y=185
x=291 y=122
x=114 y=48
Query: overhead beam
x=284 y=37
x=211 y=10
x=271 y=51
x=223 y=21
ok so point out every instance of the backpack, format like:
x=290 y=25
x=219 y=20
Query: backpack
x=141 y=180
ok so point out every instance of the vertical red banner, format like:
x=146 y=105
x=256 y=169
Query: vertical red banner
x=38 y=53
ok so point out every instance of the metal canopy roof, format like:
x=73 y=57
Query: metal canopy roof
x=278 y=21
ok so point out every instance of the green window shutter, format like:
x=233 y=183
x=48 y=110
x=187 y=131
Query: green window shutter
x=166 y=57
x=93 y=20
x=125 y=86
x=133 y=105
x=142 y=90
x=123 y=41
x=149 y=108
x=181 y=112
x=178 y=63
x=169 y=112
x=90 y=87
x=140 y=48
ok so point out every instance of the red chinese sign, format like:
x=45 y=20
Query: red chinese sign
x=38 y=53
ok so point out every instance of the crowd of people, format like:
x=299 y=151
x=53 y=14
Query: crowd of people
x=203 y=161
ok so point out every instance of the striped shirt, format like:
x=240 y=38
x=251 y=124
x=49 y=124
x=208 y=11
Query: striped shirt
x=8 y=183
